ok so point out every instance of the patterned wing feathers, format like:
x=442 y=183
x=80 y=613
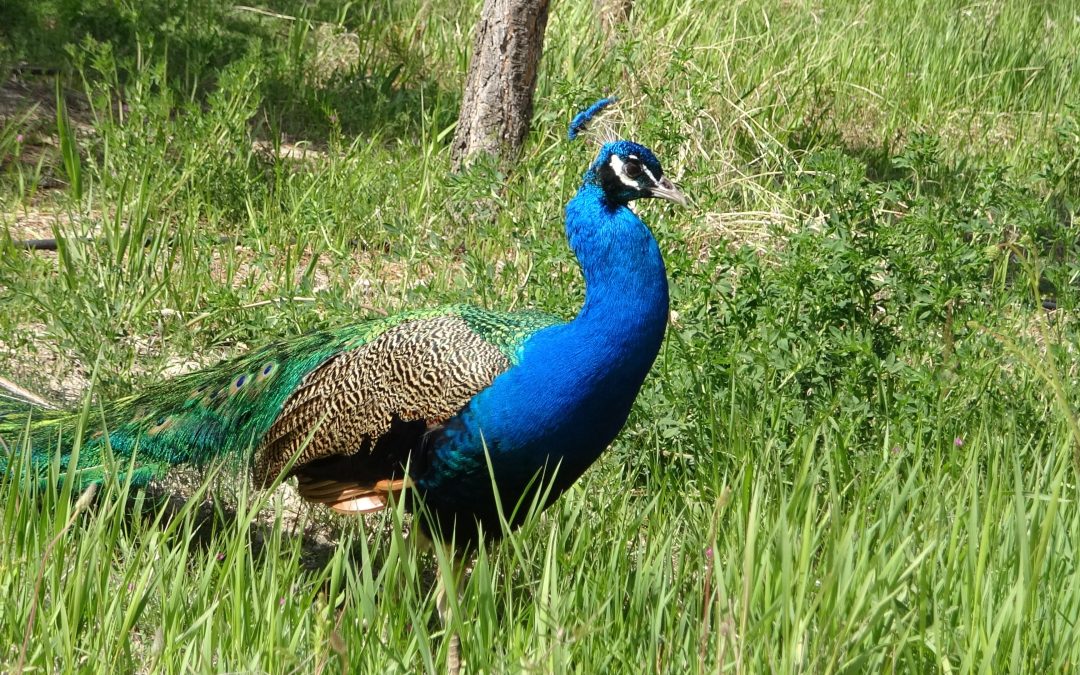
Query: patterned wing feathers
x=424 y=369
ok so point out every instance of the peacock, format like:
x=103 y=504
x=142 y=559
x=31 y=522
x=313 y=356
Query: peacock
x=469 y=412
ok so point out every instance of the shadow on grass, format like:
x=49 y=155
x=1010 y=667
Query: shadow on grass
x=320 y=69
x=373 y=104
x=215 y=515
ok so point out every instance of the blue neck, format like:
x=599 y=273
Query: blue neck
x=626 y=291
x=573 y=385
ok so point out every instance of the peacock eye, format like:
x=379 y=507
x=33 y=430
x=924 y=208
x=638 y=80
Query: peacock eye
x=633 y=169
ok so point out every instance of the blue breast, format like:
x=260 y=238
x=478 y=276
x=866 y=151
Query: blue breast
x=559 y=407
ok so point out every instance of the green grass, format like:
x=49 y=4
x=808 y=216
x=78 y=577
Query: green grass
x=858 y=450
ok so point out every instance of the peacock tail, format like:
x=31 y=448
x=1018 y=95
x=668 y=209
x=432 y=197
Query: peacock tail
x=289 y=403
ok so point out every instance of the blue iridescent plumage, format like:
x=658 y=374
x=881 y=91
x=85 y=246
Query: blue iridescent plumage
x=572 y=390
x=553 y=414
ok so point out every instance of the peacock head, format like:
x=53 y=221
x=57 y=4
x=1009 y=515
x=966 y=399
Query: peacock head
x=625 y=170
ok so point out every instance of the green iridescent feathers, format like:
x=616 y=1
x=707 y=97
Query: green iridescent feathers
x=225 y=411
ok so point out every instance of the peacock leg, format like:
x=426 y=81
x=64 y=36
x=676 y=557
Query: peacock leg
x=451 y=574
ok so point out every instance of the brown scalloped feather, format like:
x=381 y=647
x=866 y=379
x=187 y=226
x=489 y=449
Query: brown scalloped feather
x=425 y=369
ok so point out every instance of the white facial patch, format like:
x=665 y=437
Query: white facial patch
x=617 y=166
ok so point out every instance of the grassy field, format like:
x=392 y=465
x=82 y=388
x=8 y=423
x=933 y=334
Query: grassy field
x=858 y=450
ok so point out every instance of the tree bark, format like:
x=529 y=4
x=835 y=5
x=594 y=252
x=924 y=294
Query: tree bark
x=498 y=102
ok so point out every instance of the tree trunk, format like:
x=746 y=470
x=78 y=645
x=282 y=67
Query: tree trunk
x=612 y=14
x=497 y=106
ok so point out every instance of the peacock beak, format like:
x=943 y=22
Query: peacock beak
x=665 y=189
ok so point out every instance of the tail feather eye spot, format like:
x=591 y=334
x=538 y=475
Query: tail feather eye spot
x=267 y=371
x=238 y=383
